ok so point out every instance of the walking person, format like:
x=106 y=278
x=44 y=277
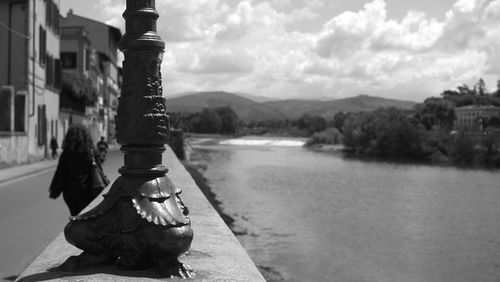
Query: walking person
x=74 y=174
x=53 y=147
x=102 y=145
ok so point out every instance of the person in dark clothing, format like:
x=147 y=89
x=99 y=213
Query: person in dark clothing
x=73 y=169
x=53 y=147
x=103 y=149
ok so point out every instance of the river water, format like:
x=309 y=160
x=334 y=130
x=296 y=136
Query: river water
x=316 y=216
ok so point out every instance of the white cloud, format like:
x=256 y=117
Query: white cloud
x=223 y=61
x=375 y=51
x=248 y=46
x=465 y=6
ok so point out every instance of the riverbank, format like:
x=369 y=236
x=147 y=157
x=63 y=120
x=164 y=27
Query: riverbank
x=478 y=159
x=196 y=165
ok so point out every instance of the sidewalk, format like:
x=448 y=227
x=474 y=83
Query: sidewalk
x=11 y=173
x=15 y=172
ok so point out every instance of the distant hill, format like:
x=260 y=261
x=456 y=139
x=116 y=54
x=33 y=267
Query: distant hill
x=245 y=108
x=248 y=109
x=297 y=108
x=255 y=98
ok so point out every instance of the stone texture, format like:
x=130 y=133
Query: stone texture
x=215 y=254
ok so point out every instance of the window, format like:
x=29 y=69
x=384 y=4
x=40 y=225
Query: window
x=6 y=100
x=56 y=19
x=53 y=72
x=87 y=59
x=48 y=12
x=68 y=60
x=42 y=40
x=49 y=71
x=57 y=73
x=42 y=125
x=52 y=16
x=19 y=112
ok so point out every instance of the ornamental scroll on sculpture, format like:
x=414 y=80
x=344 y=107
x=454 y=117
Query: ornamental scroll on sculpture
x=142 y=222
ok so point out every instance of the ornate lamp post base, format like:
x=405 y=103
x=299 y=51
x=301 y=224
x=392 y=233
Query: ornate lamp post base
x=135 y=228
x=142 y=221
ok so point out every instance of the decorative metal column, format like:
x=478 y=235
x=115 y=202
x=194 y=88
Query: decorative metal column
x=142 y=221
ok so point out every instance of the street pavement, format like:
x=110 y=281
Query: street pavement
x=29 y=219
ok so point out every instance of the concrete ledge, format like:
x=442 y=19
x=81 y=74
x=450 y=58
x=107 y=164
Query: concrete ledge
x=215 y=254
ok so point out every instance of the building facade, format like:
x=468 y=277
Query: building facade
x=473 y=117
x=104 y=45
x=80 y=62
x=29 y=79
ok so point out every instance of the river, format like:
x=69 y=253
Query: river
x=317 y=216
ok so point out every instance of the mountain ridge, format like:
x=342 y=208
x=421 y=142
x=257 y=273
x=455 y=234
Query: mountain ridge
x=245 y=108
x=250 y=110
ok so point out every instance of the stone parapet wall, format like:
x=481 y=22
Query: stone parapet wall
x=215 y=254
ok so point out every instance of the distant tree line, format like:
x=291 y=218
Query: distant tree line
x=393 y=133
x=425 y=132
x=224 y=120
x=221 y=120
x=304 y=126
x=440 y=111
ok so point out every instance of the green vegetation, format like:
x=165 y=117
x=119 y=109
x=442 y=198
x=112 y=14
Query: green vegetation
x=330 y=136
x=424 y=134
x=77 y=92
x=222 y=120
x=304 y=126
x=76 y=86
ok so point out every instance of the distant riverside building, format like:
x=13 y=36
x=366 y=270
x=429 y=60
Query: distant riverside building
x=29 y=79
x=96 y=57
x=470 y=118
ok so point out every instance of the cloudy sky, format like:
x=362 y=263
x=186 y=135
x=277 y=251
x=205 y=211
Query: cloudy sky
x=324 y=49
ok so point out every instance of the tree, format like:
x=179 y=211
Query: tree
x=78 y=87
x=328 y=136
x=385 y=132
x=207 y=121
x=311 y=123
x=465 y=90
x=338 y=120
x=480 y=88
x=494 y=121
x=351 y=129
x=497 y=93
x=229 y=120
x=436 y=112
x=462 y=150
x=452 y=96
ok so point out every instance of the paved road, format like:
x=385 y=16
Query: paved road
x=29 y=220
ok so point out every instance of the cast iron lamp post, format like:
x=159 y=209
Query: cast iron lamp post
x=142 y=221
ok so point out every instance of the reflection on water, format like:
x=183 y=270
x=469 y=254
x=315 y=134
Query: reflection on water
x=319 y=217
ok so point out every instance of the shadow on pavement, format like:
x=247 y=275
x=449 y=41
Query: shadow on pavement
x=105 y=270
